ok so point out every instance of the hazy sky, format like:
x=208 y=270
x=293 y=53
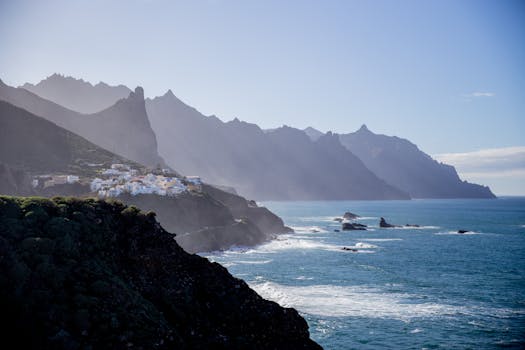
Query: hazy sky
x=448 y=75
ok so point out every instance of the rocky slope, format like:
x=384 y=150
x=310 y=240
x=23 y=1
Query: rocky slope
x=204 y=223
x=77 y=94
x=123 y=128
x=400 y=163
x=280 y=164
x=88 y=274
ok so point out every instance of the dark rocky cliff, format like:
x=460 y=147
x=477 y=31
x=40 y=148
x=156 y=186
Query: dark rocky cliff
x=212 y=220
x=89 y=274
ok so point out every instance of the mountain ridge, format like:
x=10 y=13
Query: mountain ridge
x=109 y=128
x=402 y=164
x=258 y=163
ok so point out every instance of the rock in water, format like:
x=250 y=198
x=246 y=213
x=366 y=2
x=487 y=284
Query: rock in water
x=384 y=224
x=350 y=216
x=91 y=274
x=463 y=231
x=348 y=226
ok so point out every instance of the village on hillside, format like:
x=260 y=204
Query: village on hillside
x=122 y=179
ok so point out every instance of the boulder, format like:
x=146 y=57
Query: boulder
x=350 y=216
x=349 y=226
x=384 y=224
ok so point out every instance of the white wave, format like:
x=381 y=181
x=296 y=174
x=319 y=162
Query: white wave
x=308 y=229
x=415 y=228
x=227 y=264
x=317 y=218
x=457 y=233
x=354 y=301
x=304 y=278
x=253 y=262
x=417 y=330
x=293 y=243
x=361 y=245
x=380 y=239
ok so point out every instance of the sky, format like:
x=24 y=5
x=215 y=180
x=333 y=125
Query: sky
x=446 y=74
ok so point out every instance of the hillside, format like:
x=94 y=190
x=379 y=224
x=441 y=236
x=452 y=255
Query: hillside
x=94 y=274
x=123 y=128
x=211 y=220
x=203 y=222
x=400 y=163
x=280 y=164
x=37 y=146
x=77 y=94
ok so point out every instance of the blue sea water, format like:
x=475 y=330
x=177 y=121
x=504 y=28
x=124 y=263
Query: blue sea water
x=404 y=288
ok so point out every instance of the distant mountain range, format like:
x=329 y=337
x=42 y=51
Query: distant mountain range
x=278 y=164
x=400 y=163
x=123 y=128
x=78 y=95
x=281 y=164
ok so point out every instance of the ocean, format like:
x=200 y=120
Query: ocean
x=422 y=287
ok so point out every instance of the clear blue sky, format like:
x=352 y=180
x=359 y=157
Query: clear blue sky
x=448 y=75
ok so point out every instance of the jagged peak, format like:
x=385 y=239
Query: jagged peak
x=139 y=92
x=363 y=128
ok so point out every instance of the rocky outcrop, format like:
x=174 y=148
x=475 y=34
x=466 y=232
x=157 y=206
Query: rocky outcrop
x=203 y=223
x=352 y=226
x=264 y=219
x=350 y=216
x=89 y=274
x=384 y=224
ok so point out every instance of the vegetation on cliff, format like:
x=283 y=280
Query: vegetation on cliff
x=91 y=274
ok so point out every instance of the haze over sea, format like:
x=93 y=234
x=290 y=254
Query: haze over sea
x=404 y=288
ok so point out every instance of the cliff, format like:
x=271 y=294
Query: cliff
x=212 y=220
x=79 y=274
x=402 y=164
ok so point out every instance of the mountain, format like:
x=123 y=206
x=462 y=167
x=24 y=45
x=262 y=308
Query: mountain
x=123 y=128
x=77 y=94
x=93 y=274
x=312 y=133
x=35 y=145
x=210 y=220
x=279 y=164
x=400 y=163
